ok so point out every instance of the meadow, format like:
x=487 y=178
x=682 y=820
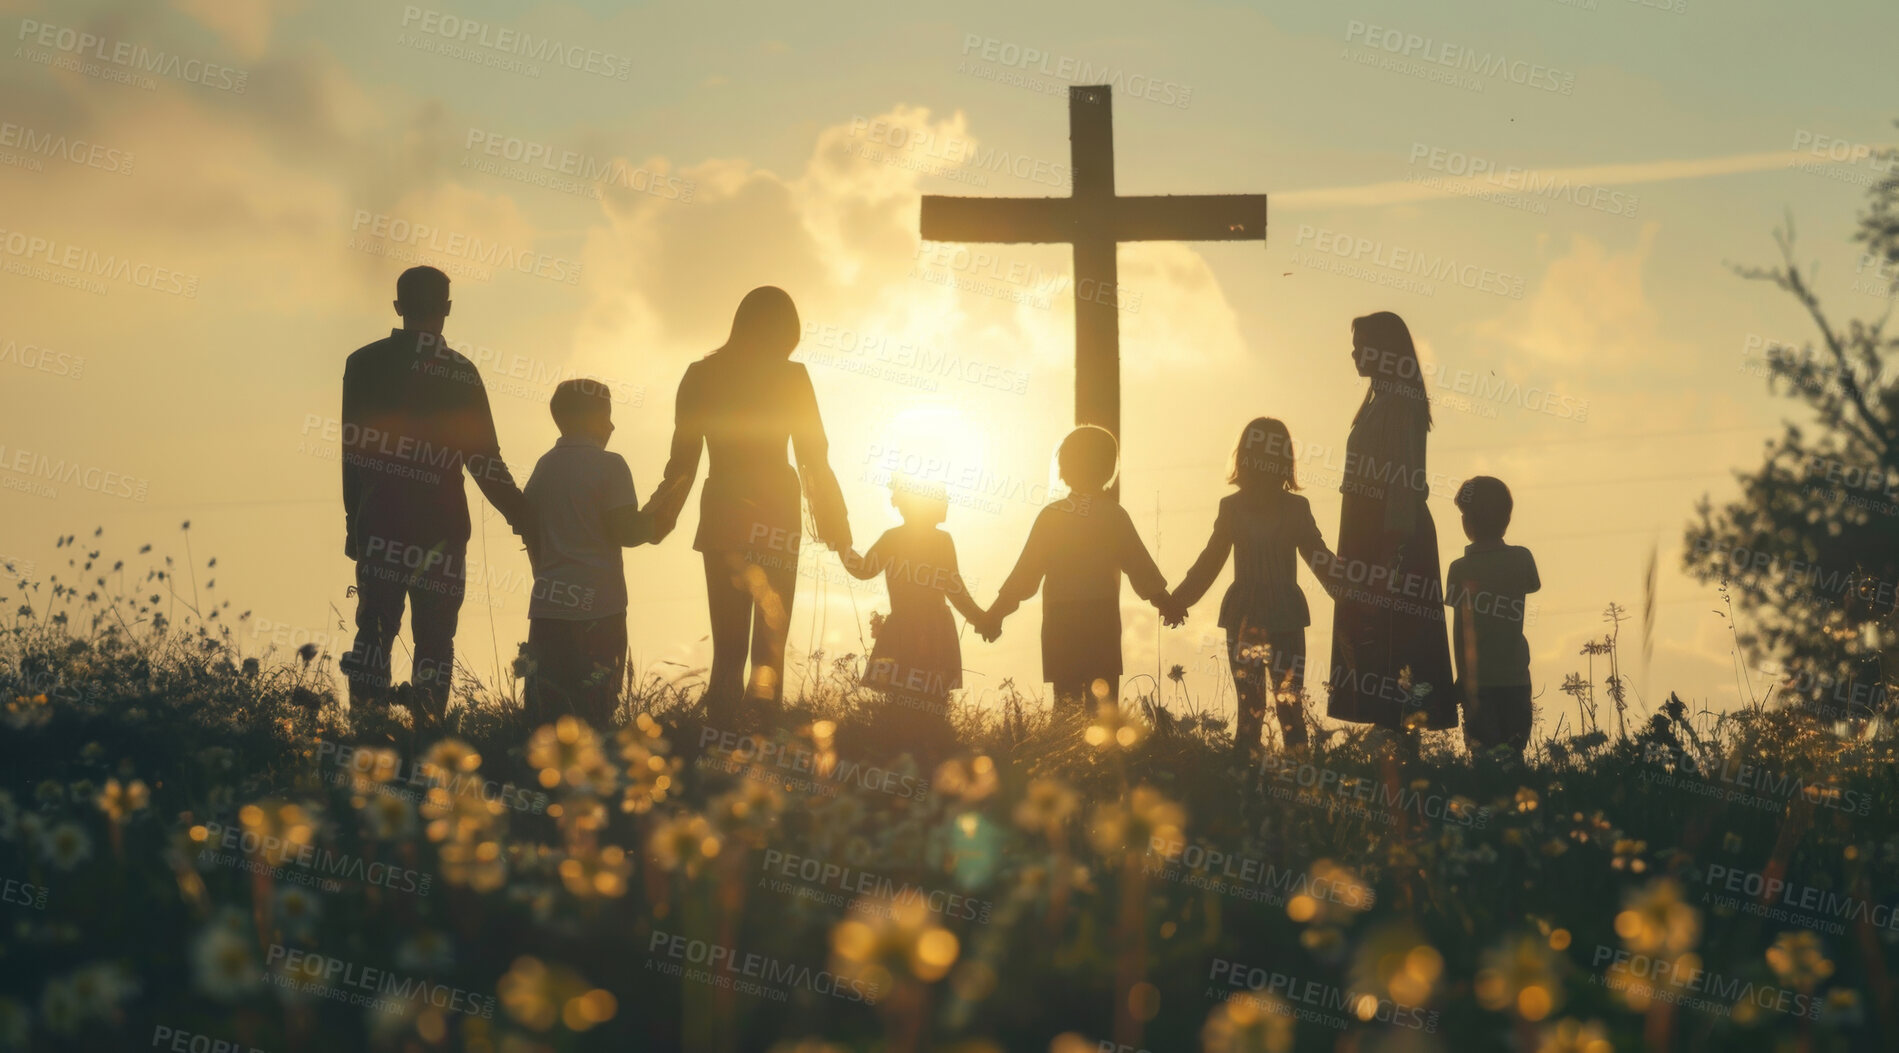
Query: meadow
x=202 y=850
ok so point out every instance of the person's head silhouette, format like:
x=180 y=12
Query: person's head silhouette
x=422 y=299
x=1087 y=458
x=1384 y=354
x=1263 y=460
x=765 y=325
x=1486 y=504
x=921 y=502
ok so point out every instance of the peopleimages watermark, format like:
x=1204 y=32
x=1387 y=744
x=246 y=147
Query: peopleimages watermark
x=28 y=468
x=1682 y=982
x=465 y=255
x=1527 y=189
x=718 y=965
x=1314 y=1000
x=1439 y=60
x=838 y=885
x=738 y=753
x=1398 y=266
x=41 y=359
x=408 y=778
x=1828 y=585
x=870 y=353
x=502 y=47
x=1884 y=280
x=1322 y=785
x=1243 y=877
x=24 y=894
x=35 y=146
x=123 y=61
x=515 y=374
x=177 y=1041
x=1775 y=898
x=570 y=172
x=81 y=268
x=303 y=863
x=362 y=985
x=1844 y=160
x=1021 y=66
x=1750 y=784
x=966 y=485
x=975 y=270
x=952 y=157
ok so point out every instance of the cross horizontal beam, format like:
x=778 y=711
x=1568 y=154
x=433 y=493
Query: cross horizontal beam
x=1208 y=217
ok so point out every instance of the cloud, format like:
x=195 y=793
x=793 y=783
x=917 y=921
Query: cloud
x=1590 y=309
x=245 y=25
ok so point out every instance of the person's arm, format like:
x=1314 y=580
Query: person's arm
x=628 y=525
x=957 y=592
x=829 y=516
x=481 y=449
x=682 y=463
x=1026 y=579
x=1148 y=581
x=352 y=424
x=1311 y=546
x=866 y=566
x=1212 y=558
x=1531 y=583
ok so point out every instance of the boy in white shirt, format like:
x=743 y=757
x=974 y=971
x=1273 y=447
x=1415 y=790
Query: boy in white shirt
x=582 y=510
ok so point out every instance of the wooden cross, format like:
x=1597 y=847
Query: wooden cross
x=1095 y=221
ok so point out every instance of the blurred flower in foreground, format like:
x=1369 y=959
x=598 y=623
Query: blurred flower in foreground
x=1248 y=1023
x=1800 y=960
x=1132 y=823
x=1046 y=805
x=1396 y=963
x=651 y=775
x=1573 y=1036
x=685 y=842
x=120 y=801
x=66 y=845
x=537 y=995
x=1655 y=920
x=1522 y=976
x=883 y=939
x=222 y=966
x=969 y=779
x=1111 y=728
x=568 y=753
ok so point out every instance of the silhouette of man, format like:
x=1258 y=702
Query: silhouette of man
x=415 y=415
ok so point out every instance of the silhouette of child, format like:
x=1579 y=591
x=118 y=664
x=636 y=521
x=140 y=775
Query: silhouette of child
x=583 y=510
x=917 y=660
x=1264 y=612
x=1485 y=589
x=1076 y=552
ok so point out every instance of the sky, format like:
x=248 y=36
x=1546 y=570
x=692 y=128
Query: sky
x=1554 y=195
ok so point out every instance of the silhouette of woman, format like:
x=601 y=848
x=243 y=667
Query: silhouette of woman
x=1390 y=655
x=742 y=403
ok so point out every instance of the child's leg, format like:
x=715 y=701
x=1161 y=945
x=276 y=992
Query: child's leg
x=602 y=650
x=1288 y=661
x=1249 y=684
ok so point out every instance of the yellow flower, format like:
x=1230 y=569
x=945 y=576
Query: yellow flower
x=390 y=816
x=685 y=842
x=1573 y=1036
x=1145 y=816
x=603 y=873
x=1111 y=728
x=1522 y=976
x=882 y=936
x=536 y=995
x=1397 y=962
x=1248 y=1022
x=970 y=779
x=118 y=802
x=1046 y=805
x=568 y=752
x=1655 y=921
x=222 y=965
x=651 y=775
x=1799 y=960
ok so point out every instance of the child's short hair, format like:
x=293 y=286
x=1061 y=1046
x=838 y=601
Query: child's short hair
x=1264 y=457
x=1087 y=458
x=577 y=400
x=919 y=500
x=1486 y=505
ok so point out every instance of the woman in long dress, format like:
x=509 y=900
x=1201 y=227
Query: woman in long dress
x=1391 y=657
x=742 y=403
